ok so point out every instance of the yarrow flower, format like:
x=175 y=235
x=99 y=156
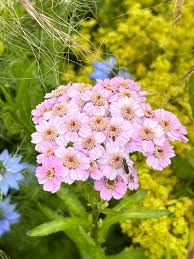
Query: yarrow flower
x=11 y=169
x=8 y=215
x=50 y=174
x=111 y=188
x=87 y=132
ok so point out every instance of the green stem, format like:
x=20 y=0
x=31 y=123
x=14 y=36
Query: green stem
x=95 y=216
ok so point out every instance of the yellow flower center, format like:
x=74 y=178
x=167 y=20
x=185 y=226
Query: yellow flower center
x=71 y=161
x=50 y=134
x=116 y=160
x=146 y=134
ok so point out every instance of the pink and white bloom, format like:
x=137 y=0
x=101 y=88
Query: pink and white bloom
x=88 y=132
x=170 y=124
x=119 y=130
x=77 y=89
x=47 y=149
x=182 y=132
x=90 y=144
x=135 y=143
x=41 y=109
x=126 y=84
x=69 y=139
x=127 y=108
x=132 y=180
x=122 y=93
x=151 y=133
x=50 y=174
x=59 y=91
x=58 y=110
x=76 y=122
x=95 y=172
x=107 y=84
x=111 y=163
x=48 y=131
x=75 y=93
x=148 y=112
x=61 y=108
x=159 y=156
x=96 y=102
x=98 y=124
x=111 y=188
x=75 y=163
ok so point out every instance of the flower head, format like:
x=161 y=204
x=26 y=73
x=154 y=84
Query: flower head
x=111 y=163
x=11 y=169
x=75 y=163
x=58 y=92
x=76 y=122
x=119 y=130
x=107 y=69
x=48 y=131
x=127 y=108
x=159 y=156
x=47 y=149
x=41 y=109
x=111 y=188
x=8 y=215
x=89 y=132
x=103 y=69
x=132 y=180
x=96 y=102
x=170 y=124
x=151 y=133
x=95 y=172
x=90 y=144
x=50 y=174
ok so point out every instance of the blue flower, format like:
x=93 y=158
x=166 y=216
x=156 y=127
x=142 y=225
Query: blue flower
x=107 y=69
x=10 y=171
x=103 y=69
x=8 y=215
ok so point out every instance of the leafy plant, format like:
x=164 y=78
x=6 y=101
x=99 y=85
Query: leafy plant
x=88 y=228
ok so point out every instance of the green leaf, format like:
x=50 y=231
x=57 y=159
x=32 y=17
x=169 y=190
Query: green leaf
x=56 y=226
x=2 y=48
x=191 y=92
x=50 y=214
x=129 y=254
x=6 y=94
x=129 y=214
x=86 y=245
x=190 y=157
x=130 y=200
x=184 y=169
x=73 y=228
x=28 y=92
x=72 y=202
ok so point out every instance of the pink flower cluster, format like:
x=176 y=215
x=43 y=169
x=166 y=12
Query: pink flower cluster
x=89 y=132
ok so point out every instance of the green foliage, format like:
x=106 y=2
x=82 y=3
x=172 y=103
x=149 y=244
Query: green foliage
x=184 y=168
x=128 y=201
x=43 y=29
x=89 y=230
x=72 y=202
x=3 y=255
x=129 y=254
x=16 y=103
x=57 y=225
x=128 y=214
x=191 y=92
